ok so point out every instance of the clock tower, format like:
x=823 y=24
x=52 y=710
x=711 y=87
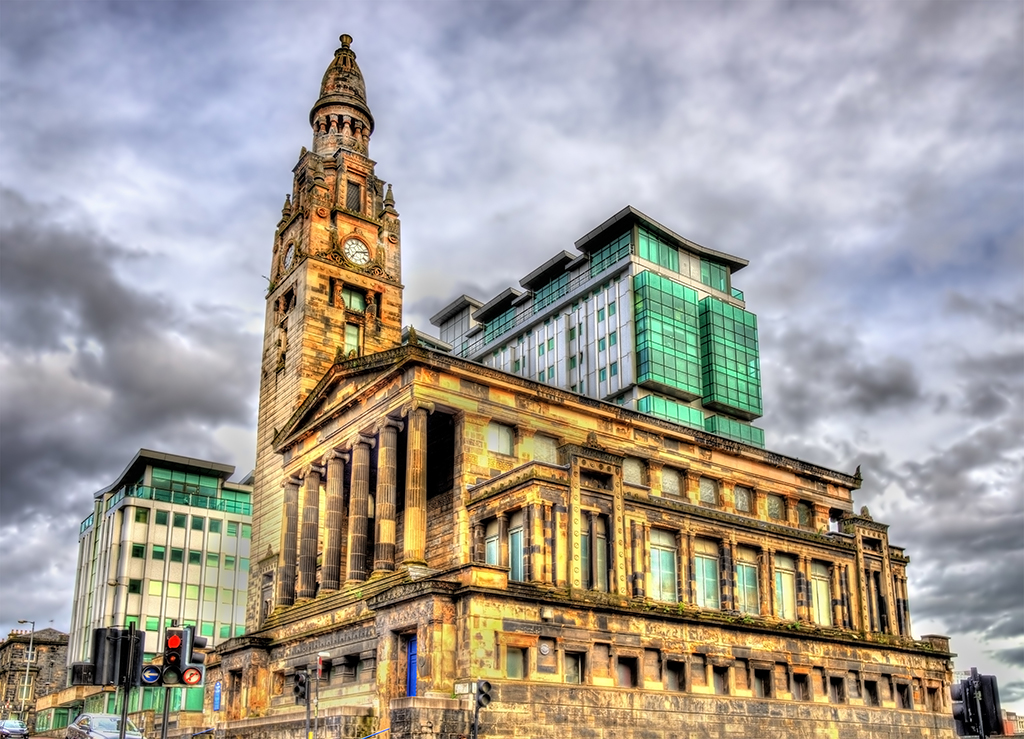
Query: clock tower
x=335 y=290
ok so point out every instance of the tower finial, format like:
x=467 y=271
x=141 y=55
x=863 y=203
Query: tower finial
x=345 y=40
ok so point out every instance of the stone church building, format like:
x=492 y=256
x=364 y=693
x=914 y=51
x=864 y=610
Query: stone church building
x=422 y=521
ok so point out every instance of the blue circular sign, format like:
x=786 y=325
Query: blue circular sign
x=150 y=674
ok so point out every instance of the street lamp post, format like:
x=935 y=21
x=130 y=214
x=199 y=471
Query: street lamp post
x=28 y=662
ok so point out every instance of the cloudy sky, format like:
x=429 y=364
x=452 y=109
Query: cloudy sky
x=868 y=159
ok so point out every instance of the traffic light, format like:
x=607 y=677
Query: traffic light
x=964 y=708
x=192 y=670
x=301 y=687
x=991 y=710
x=483 y=693
x=104 y=656
x=115 y=658
x=174 y=656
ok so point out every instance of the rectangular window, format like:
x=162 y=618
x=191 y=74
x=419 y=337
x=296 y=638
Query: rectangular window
x=177 y=555
x=191 y=592
x=837 y=690
x=613 y=369
x=209 y=593
x=671 y=482
x=229 y=562
x=708 y=491
x=161 y=518
x=720 y=674
x=574 y=668
x=626 y=672
x=141 y=515
x=613 y=338
x=600 y=314
x=871 y=693
x=353 y=196
x=611 y=309
x=663 y=566
x=156 y=587
x=572 y=333
x=214 y=526
x=139 y=551
x=602 y=374
x=776 y=508
x=516 y=552
x=499 y=438
x=801 y=687
x=152 y=623
x=174 y=590
x=225 y=631
x=821 y=594
x=232 y=528
x=904 y=698
x=194 y=557
x=747 y=597
x=135 y=587
x=243 y=564
x=212 y=559
x=572 y=362
x=516 y=365
x=159 y=552
x=762 y=683
x=785 y=587
x=551 y=373
x=355 y=300
x=551 y=345
x=515 y=663
x=351 y=340
x=226 y=596
x=492 y=546
x=540 y=349
x=601 y=344
x=246 y=531
x=180 y=520
x=198 y=523
x=742 y=497
x=540 y=376
x=706 y=573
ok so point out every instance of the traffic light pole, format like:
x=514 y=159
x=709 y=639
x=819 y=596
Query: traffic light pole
x=977 y=702
x=307 y=715
x=126 y=681
x=167 y=709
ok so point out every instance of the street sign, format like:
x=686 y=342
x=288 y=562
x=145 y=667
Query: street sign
x=192 y=676
x=151 y=674
x=216 y=696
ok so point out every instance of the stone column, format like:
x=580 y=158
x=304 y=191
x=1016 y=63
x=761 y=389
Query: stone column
x=310 y=534
x=359 y=509
x=330 y=575
x=387 y=475
x=289 y=542
x=416 y=484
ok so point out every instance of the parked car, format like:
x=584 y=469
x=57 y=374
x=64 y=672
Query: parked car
x=12 y=728
x=100 y=726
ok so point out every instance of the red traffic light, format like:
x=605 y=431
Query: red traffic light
x=173 y=641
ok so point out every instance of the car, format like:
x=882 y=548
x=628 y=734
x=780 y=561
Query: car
x=100 y=726
x=13 y=728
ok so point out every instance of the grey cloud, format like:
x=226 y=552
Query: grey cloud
x=1005 y=315
x=1011 y=692
x=1012 y=656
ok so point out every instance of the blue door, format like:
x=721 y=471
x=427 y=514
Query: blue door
x=410 y=667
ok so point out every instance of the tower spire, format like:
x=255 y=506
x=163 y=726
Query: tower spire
x=341 y=118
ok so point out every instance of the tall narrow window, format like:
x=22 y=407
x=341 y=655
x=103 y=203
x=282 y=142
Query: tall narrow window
x=776 y=508
x=671 y=482
x=743 y=498
x=351 y=339
x=821 y=594
x=594 y=551
x=747 y=598
x=353 y=197
x=785 y=586
x=516 y=551
x=663 y=566
x=492 y=544
x=705 y=565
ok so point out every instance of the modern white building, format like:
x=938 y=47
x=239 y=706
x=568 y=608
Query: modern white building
x=167 y=544
x=640 y=316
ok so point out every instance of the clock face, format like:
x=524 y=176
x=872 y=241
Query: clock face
x=356 y=251
x=289 y=256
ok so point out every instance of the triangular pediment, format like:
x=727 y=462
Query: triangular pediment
x=343 y=385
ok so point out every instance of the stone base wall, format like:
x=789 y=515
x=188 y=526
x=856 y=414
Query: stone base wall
x=586 y=713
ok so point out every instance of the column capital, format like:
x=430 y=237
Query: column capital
x=388 y=422
x=333 y=454
x=314 y=467
x=293 y=479
x=416 y=405
x=361 y=438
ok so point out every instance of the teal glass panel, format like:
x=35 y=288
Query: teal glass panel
x=551 y=292
x=499 y=325
x=608 y=255
x=667 y=333
x=655 y=250
x=714 y=275
x=737 y=293
x=670 y=410
x=730 y=359
x=733 y=429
